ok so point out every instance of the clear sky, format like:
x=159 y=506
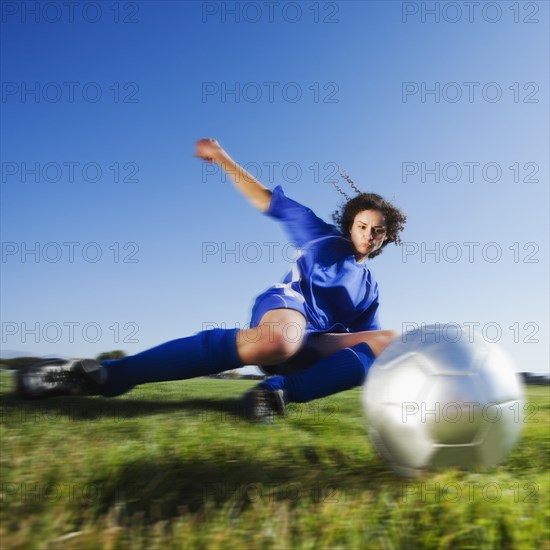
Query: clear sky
x=115 y=237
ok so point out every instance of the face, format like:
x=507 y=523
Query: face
x=368 y=233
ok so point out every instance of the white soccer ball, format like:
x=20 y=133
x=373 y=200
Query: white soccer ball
x=439 y=397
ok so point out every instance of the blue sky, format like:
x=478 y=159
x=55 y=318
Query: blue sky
x=115 y=237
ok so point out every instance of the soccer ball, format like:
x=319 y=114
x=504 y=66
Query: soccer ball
x=438 y=397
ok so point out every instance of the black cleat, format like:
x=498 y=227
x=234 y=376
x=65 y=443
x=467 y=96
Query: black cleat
x=60 y=377
x=263 y=404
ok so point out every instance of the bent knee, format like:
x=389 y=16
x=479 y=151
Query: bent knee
x=279 y=346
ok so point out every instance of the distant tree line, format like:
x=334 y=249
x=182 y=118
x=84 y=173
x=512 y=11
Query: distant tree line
x=532 y=379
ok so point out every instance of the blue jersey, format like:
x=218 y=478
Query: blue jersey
x=336 y=294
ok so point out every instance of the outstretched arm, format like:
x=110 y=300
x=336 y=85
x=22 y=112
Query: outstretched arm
x=210 y=150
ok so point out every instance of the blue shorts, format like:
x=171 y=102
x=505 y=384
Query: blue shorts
x=282 y=297
x=276 y=298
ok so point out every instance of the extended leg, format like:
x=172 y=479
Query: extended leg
x=209 y=352
x=205 y=353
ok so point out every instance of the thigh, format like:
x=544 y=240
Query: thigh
x=378 y=340
x=277 y=336
x=289 y=323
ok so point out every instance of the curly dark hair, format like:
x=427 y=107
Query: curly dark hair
x=395 y=218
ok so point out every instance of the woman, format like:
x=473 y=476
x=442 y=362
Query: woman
x=318 y=330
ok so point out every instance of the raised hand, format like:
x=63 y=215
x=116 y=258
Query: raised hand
x=209 y=149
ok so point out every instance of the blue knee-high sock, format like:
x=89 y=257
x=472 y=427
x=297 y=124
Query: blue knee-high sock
x=338 y=372
x=208 y=352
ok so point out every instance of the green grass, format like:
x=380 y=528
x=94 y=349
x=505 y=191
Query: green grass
x=173 y=466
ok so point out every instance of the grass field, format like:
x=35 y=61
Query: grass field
x=173 y=466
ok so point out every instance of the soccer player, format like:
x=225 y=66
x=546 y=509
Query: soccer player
x=317 y=332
